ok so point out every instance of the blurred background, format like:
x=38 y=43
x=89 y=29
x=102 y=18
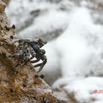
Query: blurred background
x=72 y=28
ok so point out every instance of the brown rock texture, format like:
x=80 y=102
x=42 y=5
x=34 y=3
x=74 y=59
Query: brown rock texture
x=6 y=1
x=19 y=85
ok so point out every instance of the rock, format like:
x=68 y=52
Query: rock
x=2 y=7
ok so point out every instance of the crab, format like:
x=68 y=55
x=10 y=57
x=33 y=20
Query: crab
x=27 y=50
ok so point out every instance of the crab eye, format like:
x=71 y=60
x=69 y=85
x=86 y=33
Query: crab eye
x=42 y=52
